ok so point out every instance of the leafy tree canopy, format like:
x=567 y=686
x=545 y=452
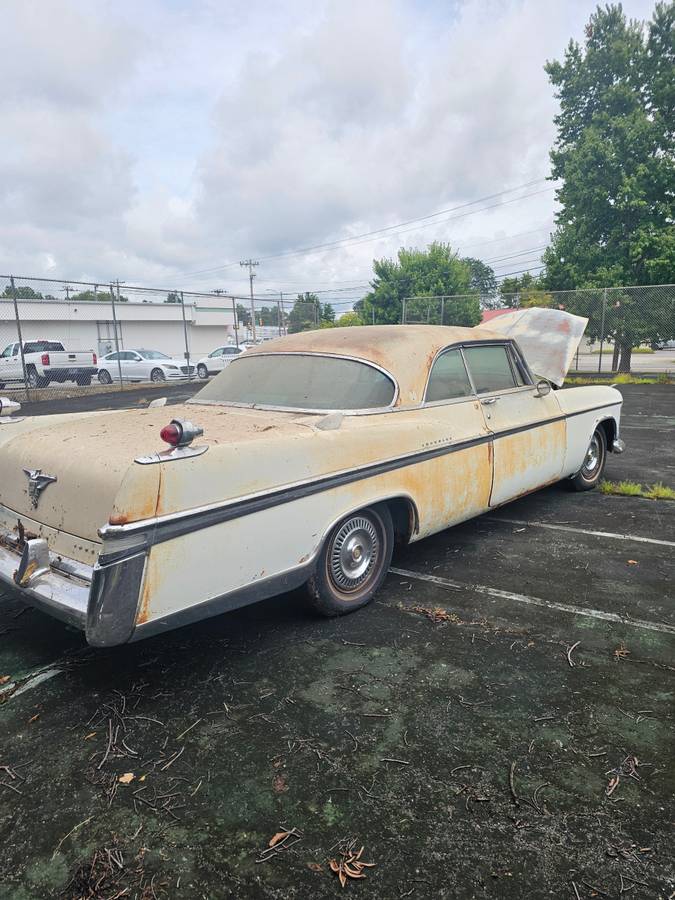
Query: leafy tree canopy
x=615 y=156
x=23 y=292
x=348 y=319
x=308 y=313
x=419 y=273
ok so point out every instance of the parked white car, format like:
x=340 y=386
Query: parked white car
x=218 y=359
x=302 y=463
x=141 y=365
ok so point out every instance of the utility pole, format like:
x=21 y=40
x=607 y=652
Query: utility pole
x=250 y=263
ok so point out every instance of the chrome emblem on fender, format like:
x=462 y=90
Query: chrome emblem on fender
x=37 y=482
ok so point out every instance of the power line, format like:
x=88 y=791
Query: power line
x=357 y=238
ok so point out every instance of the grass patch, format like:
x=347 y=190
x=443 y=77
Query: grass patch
x=657 y=491
x=663 y=378
x=610 y=349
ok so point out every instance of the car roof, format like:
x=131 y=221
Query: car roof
x=405 y=351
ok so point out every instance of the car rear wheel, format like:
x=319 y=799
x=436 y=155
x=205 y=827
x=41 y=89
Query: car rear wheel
x=104 y=377
x=202 y=371
x=157 y=375
x=34 y=380
x=353 y=562
x=593 y=467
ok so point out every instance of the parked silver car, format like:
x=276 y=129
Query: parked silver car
x=141 y=365
x=218 y=359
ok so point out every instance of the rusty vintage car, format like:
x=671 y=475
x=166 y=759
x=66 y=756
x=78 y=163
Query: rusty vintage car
x=309 y=458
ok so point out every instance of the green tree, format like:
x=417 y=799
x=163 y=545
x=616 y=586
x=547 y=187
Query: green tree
x=528 y=290
x=243 y=315
x=420 y=274
x=348 y=319
x=23 y=292
x=102 y=296
x=172 y=297
x=482 y=280
x=308 y=312
x=614 y=154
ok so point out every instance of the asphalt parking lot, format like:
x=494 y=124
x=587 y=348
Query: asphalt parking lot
x=499 y=723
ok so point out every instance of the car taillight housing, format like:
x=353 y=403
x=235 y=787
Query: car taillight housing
x=180 y=433
x=95 y=359
x=45 y=359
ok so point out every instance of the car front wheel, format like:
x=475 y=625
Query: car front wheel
x=353 y=562
x=157 y=375
x=202 y=371
x=591 y=471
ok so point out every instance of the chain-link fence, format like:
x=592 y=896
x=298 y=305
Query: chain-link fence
x=630 y=329
x=58 y=336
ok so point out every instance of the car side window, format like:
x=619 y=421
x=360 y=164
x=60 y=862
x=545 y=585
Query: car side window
x=113 y=357
x=127 y=355
x=518 y=371
x=8 y=351
x=448 y=378
x=490 y=368
x=230 y=351
x=218 y=352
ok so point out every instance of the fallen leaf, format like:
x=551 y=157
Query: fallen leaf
x=632 y=562
x=4 y=679
x=342 y=877
x=143 y=777
x=34 y=718
x=279 y=784
x=334 y=867
x=279 y=836
x=127 y=778
x=88 y=737
x=315 y=867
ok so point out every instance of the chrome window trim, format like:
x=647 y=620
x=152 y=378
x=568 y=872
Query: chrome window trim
x=462 y=346
x=436 y=358
x=367 y=410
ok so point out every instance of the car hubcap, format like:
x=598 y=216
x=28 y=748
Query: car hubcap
x=592 y=461
x=355 y=551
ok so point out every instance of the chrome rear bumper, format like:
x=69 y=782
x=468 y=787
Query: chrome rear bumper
x=61 y=590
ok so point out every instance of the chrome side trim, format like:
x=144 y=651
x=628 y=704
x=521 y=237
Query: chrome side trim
x=164 y=528
x=245 y=596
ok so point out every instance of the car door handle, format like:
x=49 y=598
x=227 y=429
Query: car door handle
x=489 y=401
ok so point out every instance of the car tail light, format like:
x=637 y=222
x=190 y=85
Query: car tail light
x=95 y=359
x=172 y=434
x=45 y=359
x=180 y=433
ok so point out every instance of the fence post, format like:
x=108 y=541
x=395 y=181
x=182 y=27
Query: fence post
x=236 y=329
x=117 y=339
x=403 y=315
x=279 y=302
x=602 y=326
x=20 y=336
x=185 y=335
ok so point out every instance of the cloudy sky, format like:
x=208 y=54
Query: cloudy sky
x=160 y=142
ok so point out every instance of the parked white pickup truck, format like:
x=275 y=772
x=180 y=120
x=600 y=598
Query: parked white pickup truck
x=46 y=361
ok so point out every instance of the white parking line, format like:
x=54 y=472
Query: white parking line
x=604 y=534
x=536 y=601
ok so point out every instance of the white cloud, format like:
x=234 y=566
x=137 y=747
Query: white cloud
x=148 y=140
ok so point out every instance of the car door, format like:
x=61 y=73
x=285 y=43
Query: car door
x=458 y=480
x=529 y=429
x=10 y=364
x=135 y=366
x=215 y=363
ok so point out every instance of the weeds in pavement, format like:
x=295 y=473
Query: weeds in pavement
x=657 y=491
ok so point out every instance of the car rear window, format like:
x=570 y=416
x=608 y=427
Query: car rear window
x=41 y=346
x=300 y=381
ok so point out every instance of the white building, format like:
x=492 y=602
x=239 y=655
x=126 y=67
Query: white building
x=89 y=325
